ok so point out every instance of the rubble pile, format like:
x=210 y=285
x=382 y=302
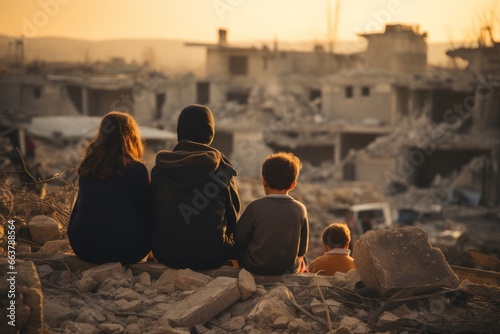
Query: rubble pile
x=79 y=297
x=427 y=135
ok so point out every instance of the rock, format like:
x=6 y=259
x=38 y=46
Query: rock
x=129 y=306
x=23 y=279
x=44 y=270
x=234 y=324
x=246 y=284
x=349 y=322
x=43 y=229
x=388 y=260
x=299 y=325
x=57 y=312
x=133 y=329
x=111 y=328
x=243 y=308
x=280 y=322
x=22 y=248
x=78 y=327
x=204 y=303
x=144 y=279
x=90 y=315
x=273 y=305
x=166 y=282
x=86 y=284
x=104 y=271
x=200 y=329
x=56 y=246
x=342 y=330
x=128 y=294
x=387 y=317
x=318 y=308
x=187 y=279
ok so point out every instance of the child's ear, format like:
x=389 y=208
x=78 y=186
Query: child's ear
x=264 y=183
x=294 y=183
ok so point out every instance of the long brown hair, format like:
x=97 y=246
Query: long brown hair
x=117 y=144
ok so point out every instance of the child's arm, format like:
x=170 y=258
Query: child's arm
x=244 y=228
x=304 y=237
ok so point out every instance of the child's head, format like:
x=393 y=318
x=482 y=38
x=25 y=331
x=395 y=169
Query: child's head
x=336 y=235
x=281 y=170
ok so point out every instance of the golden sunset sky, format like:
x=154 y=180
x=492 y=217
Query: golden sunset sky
x=198 y=20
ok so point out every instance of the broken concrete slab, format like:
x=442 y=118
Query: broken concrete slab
x=388 y=260
x=43 y=229
x=205 y=303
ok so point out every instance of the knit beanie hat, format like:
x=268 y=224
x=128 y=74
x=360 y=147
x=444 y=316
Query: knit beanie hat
x=196 y=123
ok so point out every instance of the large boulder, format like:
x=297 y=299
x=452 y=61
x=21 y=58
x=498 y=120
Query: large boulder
x=389 y=260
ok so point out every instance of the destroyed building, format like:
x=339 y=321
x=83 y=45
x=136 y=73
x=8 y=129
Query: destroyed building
x=329 y=108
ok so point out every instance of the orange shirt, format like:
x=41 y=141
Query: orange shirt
x=337 y=259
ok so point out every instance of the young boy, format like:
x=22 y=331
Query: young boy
x=271 y=237
x=336 y=238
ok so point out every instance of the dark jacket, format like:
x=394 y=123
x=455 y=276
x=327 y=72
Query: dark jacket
x=196 y=206
x=111 y=220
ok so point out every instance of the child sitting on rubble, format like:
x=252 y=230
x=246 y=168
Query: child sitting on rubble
x=112 y=216
x=336 y=238
x=271 y=237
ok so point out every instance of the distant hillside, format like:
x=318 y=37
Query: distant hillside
x=171 y=56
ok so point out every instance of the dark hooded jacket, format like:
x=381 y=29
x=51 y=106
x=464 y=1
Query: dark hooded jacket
x=196 y=206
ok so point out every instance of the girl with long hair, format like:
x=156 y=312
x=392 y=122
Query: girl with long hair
x=112 y=216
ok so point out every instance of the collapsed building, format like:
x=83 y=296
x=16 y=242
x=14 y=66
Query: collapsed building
x=339 y=110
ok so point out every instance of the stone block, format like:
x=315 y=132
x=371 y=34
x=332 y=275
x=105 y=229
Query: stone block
x=388 y=260
x=246 y=284
x=43 y=229
x=204 y=303
x=28 y=297
x=105 y=271
x=188 y=279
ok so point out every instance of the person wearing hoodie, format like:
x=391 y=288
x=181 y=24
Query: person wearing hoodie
x=195 y=197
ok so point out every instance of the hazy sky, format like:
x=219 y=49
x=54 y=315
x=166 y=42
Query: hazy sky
x=198 y=20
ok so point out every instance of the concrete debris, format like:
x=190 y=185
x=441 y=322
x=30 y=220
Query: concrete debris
x=22 y=295
x=56 y=246
x=187 y=279
x=410 y=261
x=204 y=303
x=246 y=284
x=105 y=271
x=274 y=305
x=44 y=228
x=293 y=304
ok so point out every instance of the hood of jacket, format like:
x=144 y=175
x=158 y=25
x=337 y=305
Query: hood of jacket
x=191 y=164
